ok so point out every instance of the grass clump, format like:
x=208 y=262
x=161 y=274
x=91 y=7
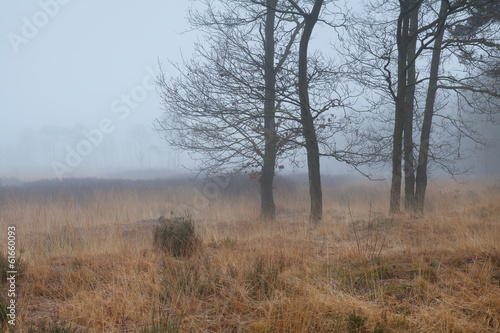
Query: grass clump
x=3 y=316
x=176 y=236
x=193 y=279
x=355 y=323
x=166 y=324
x=263 y=276
x=53 y=328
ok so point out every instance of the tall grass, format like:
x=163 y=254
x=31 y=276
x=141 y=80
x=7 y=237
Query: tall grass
x=92 y=264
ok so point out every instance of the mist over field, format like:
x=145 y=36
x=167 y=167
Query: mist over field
x=85 y=73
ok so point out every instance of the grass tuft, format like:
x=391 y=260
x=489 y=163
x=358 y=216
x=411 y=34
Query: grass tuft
x=355 y=323
x=166 y=324
x=176 y=236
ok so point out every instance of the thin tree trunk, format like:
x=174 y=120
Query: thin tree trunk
x=409 y=167
x=268 y=207
x=397 y=148
x=307 y=120
x=423 y=156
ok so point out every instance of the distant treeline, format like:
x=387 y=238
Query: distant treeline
x=80 y=188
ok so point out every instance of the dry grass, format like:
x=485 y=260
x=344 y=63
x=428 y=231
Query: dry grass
x=91 y=262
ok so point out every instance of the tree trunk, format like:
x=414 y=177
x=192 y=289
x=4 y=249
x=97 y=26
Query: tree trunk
x=268 y=207
x=397 y=148
x=423 y=156
x=409 y=167
x=307 y=120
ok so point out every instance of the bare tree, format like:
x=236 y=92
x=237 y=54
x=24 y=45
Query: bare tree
x=319 y=91
x=268 y=207
x=306 y=117
x=421 y=178
x=252 y=96
x=223 y=106
x=406 y=43
x=399 y=56
x=479 y=36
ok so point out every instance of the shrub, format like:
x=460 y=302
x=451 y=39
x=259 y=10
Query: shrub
x=176 y=236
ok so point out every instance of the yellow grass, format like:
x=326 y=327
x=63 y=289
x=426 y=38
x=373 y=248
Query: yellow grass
x=90 y=262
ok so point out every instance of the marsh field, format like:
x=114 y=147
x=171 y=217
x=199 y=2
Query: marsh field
x=87 y=261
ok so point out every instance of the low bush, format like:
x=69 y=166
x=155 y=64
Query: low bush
x=176 y=236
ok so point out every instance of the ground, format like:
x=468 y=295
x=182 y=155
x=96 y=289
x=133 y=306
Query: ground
x=87 y=261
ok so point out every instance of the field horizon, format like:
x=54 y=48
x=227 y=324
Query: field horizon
x=87 y=262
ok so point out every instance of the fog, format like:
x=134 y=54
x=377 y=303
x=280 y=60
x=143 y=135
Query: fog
x=80 y=72
x=78 y=98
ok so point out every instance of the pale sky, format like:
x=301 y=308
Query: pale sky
x=82 y=58
x=90 y=64
x=77 y=62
